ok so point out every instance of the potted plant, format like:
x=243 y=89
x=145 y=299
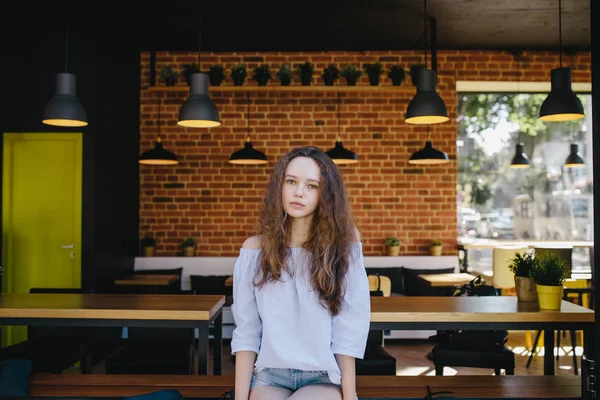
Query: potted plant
x=285 y=75
x=549 y=275
x=330 y=75
x=436 y=248
x=392 y=245
x=262 y=74
x=374 y=71
x=351 y=73
x=396 y=74
x=169 y=75
x=521 y=266
x=239 y=74
x=190 y=69
x=216 y=75
x=414 y=71
x=305 y=72
x=188 y=246
x=148 y=243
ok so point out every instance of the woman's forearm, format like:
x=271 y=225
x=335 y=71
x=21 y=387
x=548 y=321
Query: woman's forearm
x=244 y=366
x=348 y=369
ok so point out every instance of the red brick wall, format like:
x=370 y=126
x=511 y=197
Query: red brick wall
x=217 y=203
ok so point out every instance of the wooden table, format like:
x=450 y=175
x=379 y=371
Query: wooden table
x=120 y=310
x=445 y=280
x=147 y=280
x=229 y=281
x=482 y=313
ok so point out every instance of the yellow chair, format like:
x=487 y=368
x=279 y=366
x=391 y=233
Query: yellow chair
x=385 y=286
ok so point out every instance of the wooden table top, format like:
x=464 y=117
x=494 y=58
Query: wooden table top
x=147 y=280
x=229 y=281
x=442 y=280
x=471 y=309
x=111 y=306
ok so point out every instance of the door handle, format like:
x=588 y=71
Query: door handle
x=68 y=246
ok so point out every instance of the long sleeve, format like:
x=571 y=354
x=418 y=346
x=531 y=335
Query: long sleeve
x=350 y=328
x=248 y=332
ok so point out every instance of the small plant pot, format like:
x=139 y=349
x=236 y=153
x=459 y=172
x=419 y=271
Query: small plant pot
x=351 y=80
x=526 y=289
x=262 y=82
x=328 y=81
x=436 y=250
x=285 y=81
x=238 y=81
x=215 y=82
x=148 y=251
x=374 y=80
x=393 y=250
x=170 y=81
x=396 y=82
x=189 y=252
x=305 y=80
x=549 y=297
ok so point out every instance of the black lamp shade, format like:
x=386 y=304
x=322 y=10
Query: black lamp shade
x=158 y=156
x=199 y=111
x=520 y=159
x=429 y=155
x=574 y=160
x=562 y=104
x=341 y=155
x=427 y=107
x=64 y=109
x=248 y=156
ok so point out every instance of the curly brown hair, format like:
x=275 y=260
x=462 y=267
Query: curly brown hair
x=331 y=234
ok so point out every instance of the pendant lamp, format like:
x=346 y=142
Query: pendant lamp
x=429 y=154
x=562 y=104
x=248 y=155
x=339 y=154
x=64 y=109
x=520 y=159
x=574 y=160
x=427 y=107
x=199 y=111
x=158 y=155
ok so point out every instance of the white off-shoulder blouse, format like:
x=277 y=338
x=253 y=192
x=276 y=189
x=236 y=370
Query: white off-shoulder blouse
x=284 y=322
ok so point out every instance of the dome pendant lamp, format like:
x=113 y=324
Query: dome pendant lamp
x=64 y=109
x=158 y=155
x=339 y=154
x=520 y=160
x=574 y=160
x=429 y=154
x=427 y=107
x=248 y=155
x=199 y=111
x=562 y=104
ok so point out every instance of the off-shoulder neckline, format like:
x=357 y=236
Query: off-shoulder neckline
x=293 y=249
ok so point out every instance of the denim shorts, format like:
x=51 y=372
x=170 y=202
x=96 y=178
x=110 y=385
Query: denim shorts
x=291 y=379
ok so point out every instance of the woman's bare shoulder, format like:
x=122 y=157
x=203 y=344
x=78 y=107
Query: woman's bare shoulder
x=252 y=243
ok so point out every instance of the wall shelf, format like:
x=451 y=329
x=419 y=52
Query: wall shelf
x=292 y=88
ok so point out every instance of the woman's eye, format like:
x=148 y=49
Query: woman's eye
x=290 y=181
x=313 y=186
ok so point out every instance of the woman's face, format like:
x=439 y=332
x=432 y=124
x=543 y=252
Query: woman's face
x=301 y=187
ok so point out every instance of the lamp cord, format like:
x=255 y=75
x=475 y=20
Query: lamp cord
x=560 y=31
x=248 y=117
x=338 y=115
x=199 y=41
x=159 y=107
x=66 y=40
x=425 y=30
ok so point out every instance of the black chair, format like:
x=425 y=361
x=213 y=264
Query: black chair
x=53 y=349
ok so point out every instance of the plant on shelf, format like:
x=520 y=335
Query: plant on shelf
x=374 y=71
x=414 y=70
x=169 y=75
x=549 y=275
x=305 y=72
x=330 y=75
x=521 y=266
x=285 y=75
x=188 y=246
x=392 y=245
x=351 y=73
x=147 y=244
x=190 y=69
x=397 y=75
x=262 y=74
x=436 y=248
x=239 y=74
x=216 y=75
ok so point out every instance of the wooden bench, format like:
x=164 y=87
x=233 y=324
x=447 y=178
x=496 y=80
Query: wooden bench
x=379 y=387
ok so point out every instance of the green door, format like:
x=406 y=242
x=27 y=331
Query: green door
x=41 y=214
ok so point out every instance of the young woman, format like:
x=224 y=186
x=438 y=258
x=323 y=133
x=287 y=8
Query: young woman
x=300 y=291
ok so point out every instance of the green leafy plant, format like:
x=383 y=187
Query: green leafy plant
x=392 y=241
x=351 y=73
x=239 y=74
x=551 y=270
x=190 y=69
x=148 y=241
x=305 y=72
x=436 y=243
x=374 y=70
x=169 y=75
x=285 y=75
x=216 y=75
x=262 y=74
x=188 y=242
x=397 y=75
x=522 y=264
x=414 y=70
x=330 y=75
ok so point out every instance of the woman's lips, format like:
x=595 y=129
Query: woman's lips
x=296 y=204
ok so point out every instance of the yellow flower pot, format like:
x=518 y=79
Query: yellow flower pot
x=393 y=250
x=549 y=297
